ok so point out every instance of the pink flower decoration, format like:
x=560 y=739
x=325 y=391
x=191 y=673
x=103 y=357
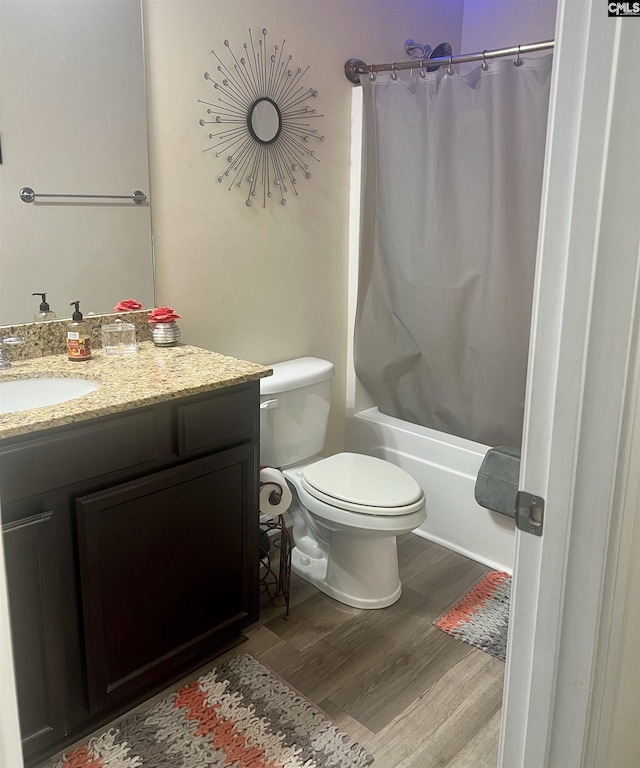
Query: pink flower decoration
x=127 y=305
x=163 y=315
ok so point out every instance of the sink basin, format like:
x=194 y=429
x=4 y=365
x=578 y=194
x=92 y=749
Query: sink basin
x=23 y=394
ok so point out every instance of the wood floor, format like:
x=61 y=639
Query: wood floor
x=413 y=696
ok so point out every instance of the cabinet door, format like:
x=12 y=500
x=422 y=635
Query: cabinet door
x=34 y=599
x=168 y=570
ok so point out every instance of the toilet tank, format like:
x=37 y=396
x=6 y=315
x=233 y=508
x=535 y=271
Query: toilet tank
x=294 y=410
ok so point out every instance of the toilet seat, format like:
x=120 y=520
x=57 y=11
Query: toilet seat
x=364 y=484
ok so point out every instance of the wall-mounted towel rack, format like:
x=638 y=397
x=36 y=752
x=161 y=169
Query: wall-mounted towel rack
x=27 y=195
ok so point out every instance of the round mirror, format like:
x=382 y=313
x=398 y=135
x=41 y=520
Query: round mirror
x=264 y=121
x=262 y=124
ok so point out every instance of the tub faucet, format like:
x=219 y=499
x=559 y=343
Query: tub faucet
x=10 y=341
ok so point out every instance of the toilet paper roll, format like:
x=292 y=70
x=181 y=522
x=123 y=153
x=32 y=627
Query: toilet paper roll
x=275 y=496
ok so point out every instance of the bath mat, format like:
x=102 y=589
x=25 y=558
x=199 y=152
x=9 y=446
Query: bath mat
x=238 y=715
x=481 y=618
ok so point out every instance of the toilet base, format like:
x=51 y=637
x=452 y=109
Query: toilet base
x=362 y=576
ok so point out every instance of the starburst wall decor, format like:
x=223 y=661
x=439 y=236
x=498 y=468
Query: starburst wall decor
x=265 y=122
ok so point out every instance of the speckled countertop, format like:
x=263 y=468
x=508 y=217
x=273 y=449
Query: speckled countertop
x=152 y=375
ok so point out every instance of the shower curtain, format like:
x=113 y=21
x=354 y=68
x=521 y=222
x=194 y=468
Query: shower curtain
x=452 y=184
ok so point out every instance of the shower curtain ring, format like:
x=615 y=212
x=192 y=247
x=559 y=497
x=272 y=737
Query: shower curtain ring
x=394 y=74
x=485 y=66
x=450 y=67
x=518 y=61
x=423 y=74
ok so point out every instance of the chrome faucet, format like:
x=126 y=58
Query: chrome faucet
x=10 y=341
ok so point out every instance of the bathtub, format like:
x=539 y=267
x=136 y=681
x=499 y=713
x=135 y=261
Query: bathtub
x=445 y=467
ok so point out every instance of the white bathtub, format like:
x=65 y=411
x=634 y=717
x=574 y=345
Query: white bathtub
x=446 y=468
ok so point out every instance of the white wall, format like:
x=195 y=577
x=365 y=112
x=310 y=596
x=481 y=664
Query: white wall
x=264 y=284
x=504 y=23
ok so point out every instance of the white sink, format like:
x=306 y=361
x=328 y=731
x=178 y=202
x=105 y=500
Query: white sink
x=23 y=394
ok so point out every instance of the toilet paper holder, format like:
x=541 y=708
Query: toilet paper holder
x=275 y=495
x=275 y=498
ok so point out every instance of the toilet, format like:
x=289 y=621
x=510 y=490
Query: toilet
x=347 y=508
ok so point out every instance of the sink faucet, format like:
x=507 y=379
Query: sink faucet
x=10 y=340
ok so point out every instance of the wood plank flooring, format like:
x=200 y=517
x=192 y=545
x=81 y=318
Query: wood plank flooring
x=413 y=696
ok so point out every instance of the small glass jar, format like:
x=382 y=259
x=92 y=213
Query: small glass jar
x=119 y=338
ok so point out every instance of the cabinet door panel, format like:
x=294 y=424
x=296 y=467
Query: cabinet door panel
x=167 y=563
x=218 y=421
x=73 y=454
x=36 y=629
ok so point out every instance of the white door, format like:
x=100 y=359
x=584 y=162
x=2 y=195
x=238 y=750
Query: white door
x=579 y=389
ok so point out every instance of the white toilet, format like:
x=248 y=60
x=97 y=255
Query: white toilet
x=348 y=508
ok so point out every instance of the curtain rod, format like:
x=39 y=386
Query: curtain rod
x=356 y=67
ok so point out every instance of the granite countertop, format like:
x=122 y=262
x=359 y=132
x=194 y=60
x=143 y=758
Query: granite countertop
x=152 y=375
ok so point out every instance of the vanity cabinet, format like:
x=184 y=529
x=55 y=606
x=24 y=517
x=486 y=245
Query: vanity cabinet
x=132 y=556
x=30 y=562
x=178 y=536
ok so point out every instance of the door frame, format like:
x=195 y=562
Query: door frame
x=581 y=393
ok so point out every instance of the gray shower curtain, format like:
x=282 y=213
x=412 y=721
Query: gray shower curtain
x=452 y=184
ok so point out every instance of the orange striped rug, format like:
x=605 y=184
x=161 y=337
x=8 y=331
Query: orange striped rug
x=238 y=715
x=481 y=618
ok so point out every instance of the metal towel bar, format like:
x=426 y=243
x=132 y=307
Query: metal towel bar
x=27 y=195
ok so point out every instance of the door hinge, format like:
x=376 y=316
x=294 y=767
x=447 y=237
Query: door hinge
x=529 y=513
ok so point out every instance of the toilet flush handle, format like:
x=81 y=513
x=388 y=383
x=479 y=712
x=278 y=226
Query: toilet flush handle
x=266 y=405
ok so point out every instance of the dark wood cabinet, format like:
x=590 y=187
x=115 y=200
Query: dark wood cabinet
x=179 y=537
x=132 y=555
x=34 y=598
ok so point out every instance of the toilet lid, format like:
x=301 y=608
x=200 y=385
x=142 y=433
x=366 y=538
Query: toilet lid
x=364 y=484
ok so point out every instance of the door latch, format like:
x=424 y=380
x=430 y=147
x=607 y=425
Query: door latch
x=529 y=513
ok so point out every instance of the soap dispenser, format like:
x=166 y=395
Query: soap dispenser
x=78 y=336
x=45 y=313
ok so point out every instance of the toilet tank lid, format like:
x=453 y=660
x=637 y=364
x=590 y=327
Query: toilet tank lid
x=292 y=374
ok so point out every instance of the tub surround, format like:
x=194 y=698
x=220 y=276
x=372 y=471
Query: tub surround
x=446 y=467
x=152 y=375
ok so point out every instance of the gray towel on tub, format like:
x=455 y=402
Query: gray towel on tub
x=497 y=482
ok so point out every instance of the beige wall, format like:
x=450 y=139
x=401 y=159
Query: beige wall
x=264 y=284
